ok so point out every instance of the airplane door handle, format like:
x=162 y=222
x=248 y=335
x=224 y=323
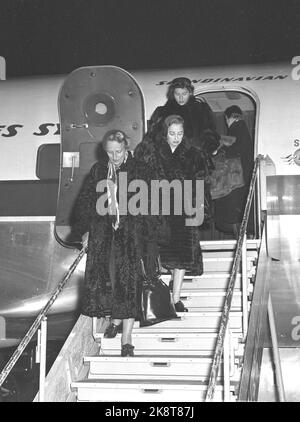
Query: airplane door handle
x=79 y=126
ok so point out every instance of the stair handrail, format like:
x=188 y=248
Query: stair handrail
x=231 y=284
x=42 y=314
x=276 y=354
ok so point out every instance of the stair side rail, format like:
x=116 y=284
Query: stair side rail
x=231 y=284
x=40 y=319
x=276 y=354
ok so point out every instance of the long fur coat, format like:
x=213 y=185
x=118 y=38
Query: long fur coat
x=181 y=246
x=134 y=239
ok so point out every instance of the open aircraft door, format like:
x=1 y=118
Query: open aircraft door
x=92 y=100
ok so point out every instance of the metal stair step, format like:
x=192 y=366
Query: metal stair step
x=143 y=391
x=228 y=244
x=222 y=264
x=206 y=281
x=157 y=368
x=205 y=319
x=168 y=342
x=251 y=254
x=157 y=329
x=209 y=299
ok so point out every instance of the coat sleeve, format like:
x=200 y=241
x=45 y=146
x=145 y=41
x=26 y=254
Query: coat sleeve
x=205 y=138
x=209 y=121
x=155 y=122
x=84 y=209
x=145 y=153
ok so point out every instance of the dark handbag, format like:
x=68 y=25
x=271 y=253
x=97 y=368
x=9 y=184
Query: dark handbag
x=227 y=175
x=156 y=300
x=164 y=231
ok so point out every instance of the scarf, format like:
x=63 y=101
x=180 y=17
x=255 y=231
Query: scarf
x=112 y=192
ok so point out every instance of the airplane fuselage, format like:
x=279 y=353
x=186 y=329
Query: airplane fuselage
x=32 y=261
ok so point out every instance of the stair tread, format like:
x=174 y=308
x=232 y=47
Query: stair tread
x=166 y=334
x=204 y=275
x=120 y=381
x=225 y=244
x=149 y=358
x=206 y=292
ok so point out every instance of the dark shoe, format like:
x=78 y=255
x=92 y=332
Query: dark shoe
x=179 y=306
x=112 y=330
x=127 y=350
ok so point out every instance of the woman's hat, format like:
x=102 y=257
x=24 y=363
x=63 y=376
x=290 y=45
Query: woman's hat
x=181 y=82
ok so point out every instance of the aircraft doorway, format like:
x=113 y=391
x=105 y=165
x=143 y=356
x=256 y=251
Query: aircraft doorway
x=219 y=101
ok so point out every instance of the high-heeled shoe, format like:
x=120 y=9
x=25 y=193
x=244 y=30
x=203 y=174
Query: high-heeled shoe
x=127 y=350
x=112 y=330
x=179 y=307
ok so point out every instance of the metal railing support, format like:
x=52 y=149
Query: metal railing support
x=244 y=286
x=41 y=357
x=276 y=356
x=226 y=367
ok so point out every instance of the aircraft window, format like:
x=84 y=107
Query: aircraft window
x=28 y=198
x=48 y=160
x=99 y=109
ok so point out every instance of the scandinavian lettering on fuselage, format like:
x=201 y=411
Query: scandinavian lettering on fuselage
x=232 y=79
x=43 y=129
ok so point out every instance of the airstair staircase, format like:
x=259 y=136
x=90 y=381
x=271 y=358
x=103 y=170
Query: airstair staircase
x=173 y=359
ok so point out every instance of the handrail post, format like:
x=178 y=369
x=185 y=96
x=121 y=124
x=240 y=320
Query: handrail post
x=226 y=367
x=41 y=357
x=245 y=286
x=275 y=348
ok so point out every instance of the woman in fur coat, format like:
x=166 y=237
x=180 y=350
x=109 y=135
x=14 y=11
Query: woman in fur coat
x=116 y=241
x=172 y=158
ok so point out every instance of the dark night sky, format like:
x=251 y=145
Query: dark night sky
x=57 y=36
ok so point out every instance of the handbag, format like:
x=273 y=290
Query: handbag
x=227 y=175
x=156 y=300
x=164 y=231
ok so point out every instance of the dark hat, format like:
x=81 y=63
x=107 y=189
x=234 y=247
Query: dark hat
x=182 y=82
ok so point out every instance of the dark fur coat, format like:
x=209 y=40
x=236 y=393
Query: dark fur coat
x=181 y=246
x=134 y=239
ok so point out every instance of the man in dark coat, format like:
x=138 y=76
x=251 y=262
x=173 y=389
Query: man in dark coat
x=229 y=209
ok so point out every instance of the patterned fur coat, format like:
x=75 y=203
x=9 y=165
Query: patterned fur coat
x=134 y=239
x=181 y=247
